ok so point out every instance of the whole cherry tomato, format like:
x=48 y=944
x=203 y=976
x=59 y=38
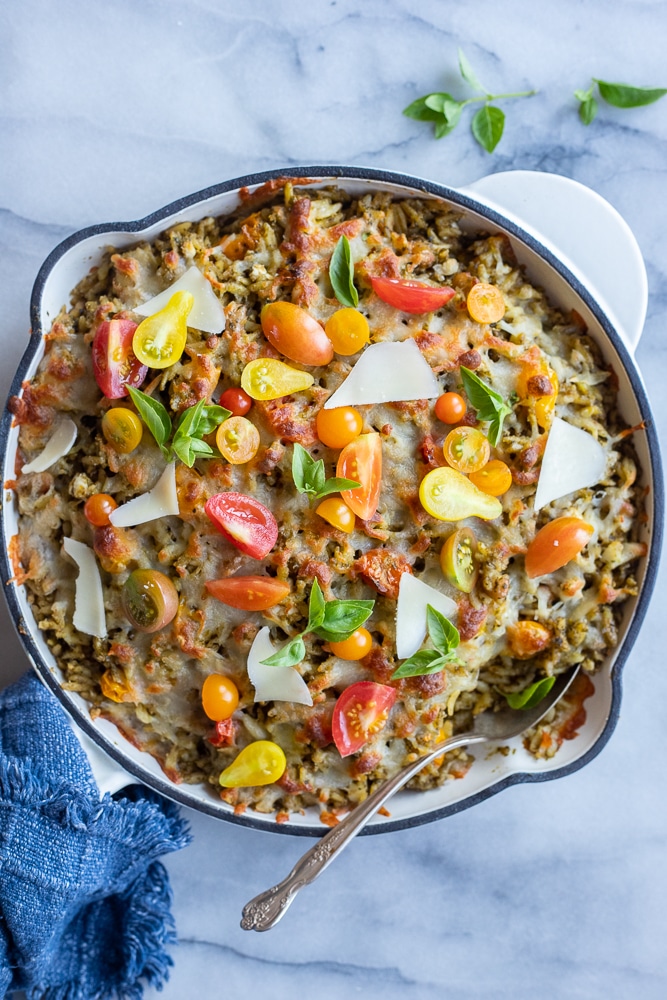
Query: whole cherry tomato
x=450 y=408
x=355 y=647
x=115 y=365
x=361 y=711
x=339 y=426
x=97 y=508
x=236 y=401
x=219 y=697
x=411 y=296
x=244 y=522
x=348 y=331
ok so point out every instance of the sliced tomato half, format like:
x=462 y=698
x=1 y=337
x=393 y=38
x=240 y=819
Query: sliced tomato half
x=411 y=296
x=244 y=522
x=249 y=593
x=361 y=461
x=115 y=365
x=361 y=711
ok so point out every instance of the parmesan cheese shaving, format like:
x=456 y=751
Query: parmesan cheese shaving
x=161 y=501
x=413 y=597
x=274 y=683
x=573 y=460
x=56 y=447
x=206 y=314
x=88 y=596
x=387 y=373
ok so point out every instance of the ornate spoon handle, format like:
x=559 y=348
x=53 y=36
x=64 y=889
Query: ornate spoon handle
x=266 y=909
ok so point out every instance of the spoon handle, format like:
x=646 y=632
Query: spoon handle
x=266 y=909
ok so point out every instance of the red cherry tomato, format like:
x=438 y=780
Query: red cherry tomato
x=411 y=296
x=360 y=712
x=237 y=401
x=249 y=593
x=294 y=332
x=361 y=460
x=115 y=365
x=244 y=522
x=556 y=544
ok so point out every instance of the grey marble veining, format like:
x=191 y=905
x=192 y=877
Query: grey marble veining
x=110 y=111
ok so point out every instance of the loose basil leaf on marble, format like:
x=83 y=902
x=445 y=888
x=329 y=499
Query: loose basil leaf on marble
x=288 y=655
x=341 y=274
x=588 y=106
x=154 y=415
x=468 y=73
x=489 y=404
x=487 y=126
x=422 y=111
x=622 y=95
x=532 y=695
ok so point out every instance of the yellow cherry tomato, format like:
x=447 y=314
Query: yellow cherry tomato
x=458 y=560
x=159 y=340
x=238 y=440
x=537 y=386
x=348 y=331
x=219 y=697
x=267 y=378
x=485 y=303
x=447 y=494
x=260 y=763
x=355 y=647
x=337 y=427
x=466 y=449
x=495 y=478
x=337 y=513
x=122 y=428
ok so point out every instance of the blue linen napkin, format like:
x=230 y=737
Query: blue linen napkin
x=84 y=902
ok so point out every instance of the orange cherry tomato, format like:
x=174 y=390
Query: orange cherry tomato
x=249 y=593
x=537 y=387
x=337 y=427
x=485 y=303
x=219 y=697
x=296 y=334
x=348 y=331
x=411 y=296
x=238 y=440
x=236 y=400
x=361 y=711
x=354 y=647
x=450 y=408
x=527 y=638
x=495 y=478
x=97 y=508
x=361 y=461
x=556 y=544
x=337 y=513
x=466 y=449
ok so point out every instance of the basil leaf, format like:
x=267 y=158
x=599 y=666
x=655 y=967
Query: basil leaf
x=468 y=73
x=341 y=274
x=426 y=661
x=342 y=618
x=489 y=404
x=309 y=475
x=588 y=108
x=334 y=485
x=532 y=695
x=153 y=414
x=302 y=464
x=186 y=426
x=420 y=110
x=182 y=448
x=200 y=447
x=316 y=607
x=211 y=417
x=487 y=126
x=289 y=655
x=444 y=636
x=443 y=128
x=622 y=95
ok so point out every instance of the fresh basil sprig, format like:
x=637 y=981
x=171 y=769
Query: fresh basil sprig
x=489 y=404
x=341 y=274
x=310 y=478
x=620 y=95
x=532 y=695
x=444 y=636
x=192 y=425
x=333 y=621
x=444 y=111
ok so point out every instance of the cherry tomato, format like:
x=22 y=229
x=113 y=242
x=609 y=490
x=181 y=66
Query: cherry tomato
x=337 y=513
x=115 y=365
x=266 y=378
x=556 y=544
x=236 y=401
x=296 y=334
x=249 y=593
x=485 y=303
x=361 y=711
x=466 y=449
x=219 y=697
x=449 y=496
x=122 y=429
x=538 y=374
x=260 y=763
x=237 y=440
x=495 y=478
x=159 y=340
x=411 y=296
x=361 y=460
x=337 y=427
x=244 y=522
x=348 y=331
x=450 y=408
x=354 y=647
x=458 y=559
x=150 y=600
x=97 y=508
x=527 y=638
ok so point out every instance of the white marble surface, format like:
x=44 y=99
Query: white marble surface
x=111 y=110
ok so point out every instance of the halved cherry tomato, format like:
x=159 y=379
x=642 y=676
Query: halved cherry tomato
x=361 y=461
x=355 y=647
x=122 y=428
x=236 y=401
x=238 y=440
x=296 y=334
x=411 y=296
x=337 y=427
x=556 y=544
x=244 y=522
x=266 y=378
x=260 y=763
x=450 y=408
x=361 y=711
x=450 y=496
x=495 y=478
x=458 y=559
x=159 y=340
x=150 y=600
x=466 y=449
x=219 y=697
x=348 y=331
x=485 y=303
x=97 y=508
x=337 y=513
x=115 y=365
x=249 y=593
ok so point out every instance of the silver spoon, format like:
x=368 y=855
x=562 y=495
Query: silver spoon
x=266 y=909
